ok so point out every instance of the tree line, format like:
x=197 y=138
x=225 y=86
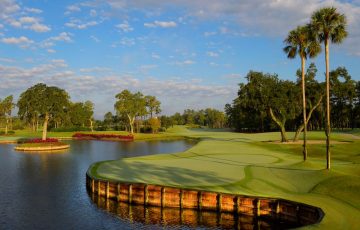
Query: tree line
x=51 y=108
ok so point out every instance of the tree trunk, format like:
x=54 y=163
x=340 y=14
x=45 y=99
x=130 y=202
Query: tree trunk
x=91 y=125
x=131 y=123
x=33 y=127
x=301 y=127
x=281 y=124
x=304 y=105
x=328 y=128
x=45 y=126
x=6 y=126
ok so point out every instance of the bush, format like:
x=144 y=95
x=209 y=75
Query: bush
x=10 y=132
x=39 y=140
x=70 y=129
x=36 y=140
x=162 y=129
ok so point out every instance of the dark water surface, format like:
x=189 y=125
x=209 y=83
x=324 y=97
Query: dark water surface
x=47 y=191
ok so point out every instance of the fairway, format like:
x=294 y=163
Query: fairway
x=249 y=164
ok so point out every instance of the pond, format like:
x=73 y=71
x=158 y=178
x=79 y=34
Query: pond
x=47 y=190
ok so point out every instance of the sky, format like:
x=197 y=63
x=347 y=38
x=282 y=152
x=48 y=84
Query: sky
x=187 y=53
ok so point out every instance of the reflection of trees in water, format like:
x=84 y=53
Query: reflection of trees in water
x=159 y=217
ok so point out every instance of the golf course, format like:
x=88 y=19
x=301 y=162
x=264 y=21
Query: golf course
x=256 y=165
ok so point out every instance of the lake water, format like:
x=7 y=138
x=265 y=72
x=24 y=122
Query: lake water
x=47 y=191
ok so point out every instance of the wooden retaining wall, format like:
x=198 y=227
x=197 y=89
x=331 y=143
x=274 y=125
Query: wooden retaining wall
x=183 y=199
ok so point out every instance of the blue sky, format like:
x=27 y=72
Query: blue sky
x=189 y=54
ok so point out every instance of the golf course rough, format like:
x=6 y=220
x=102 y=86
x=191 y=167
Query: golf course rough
x=250 y=165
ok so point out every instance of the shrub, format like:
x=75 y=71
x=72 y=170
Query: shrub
x=10 y=132
x=38 y=140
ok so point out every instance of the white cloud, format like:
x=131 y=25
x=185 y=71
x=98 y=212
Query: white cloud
x=73 y=8
x=33 y=10
x=28 y=20
x=8 y=7
x=127 y=41
x=17 y=40
x=8 y=60
x=63 y=36
x=30 y=23
x=125 y=27
x=254 y=17
x=186 y=62
x=77 y=24
x=51 y=51
x=175 y=94
x=163 y=24
x=37 y=27
x=95 y=38
x=95 y=69
x=50 y=42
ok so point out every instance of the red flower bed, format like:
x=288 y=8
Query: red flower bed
x=39 y=140
x=103 y=136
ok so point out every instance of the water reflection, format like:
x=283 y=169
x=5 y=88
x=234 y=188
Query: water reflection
x=173 y=218
x=47 y=190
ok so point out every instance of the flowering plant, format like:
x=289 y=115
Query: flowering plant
x=39 y=140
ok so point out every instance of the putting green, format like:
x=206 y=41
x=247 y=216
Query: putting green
x=248 y=164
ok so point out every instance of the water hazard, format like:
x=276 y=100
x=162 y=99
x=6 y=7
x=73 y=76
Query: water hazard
x=47 y=191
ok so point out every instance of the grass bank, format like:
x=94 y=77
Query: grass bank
x=251 y=164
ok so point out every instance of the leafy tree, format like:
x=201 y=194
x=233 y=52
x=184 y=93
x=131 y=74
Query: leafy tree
x=130 y=105
x=166 y=121
x=108 y=120
x=155 y=124
x=178 y=119
x=153 y=105
x=200 y=117
x=28 y=104
x=47 y=101
x=329 y=26
x=6 y=106
x=266 y=97
x=89 y=112
x=189 y=116
x=300 y=42
x=214 y=118
x=343 y=95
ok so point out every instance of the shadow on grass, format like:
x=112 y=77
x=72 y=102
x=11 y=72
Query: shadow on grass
x=160 y=175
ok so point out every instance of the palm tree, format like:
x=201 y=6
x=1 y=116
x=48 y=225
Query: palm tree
x=328 y=25
x=300 y=42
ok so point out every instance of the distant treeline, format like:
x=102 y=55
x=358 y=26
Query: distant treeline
x=267 y=103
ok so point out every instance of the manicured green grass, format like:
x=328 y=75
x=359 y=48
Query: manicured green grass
x=252 y=164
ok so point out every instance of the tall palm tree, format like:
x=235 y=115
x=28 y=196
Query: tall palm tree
x=300 y=42
x=328 y=26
